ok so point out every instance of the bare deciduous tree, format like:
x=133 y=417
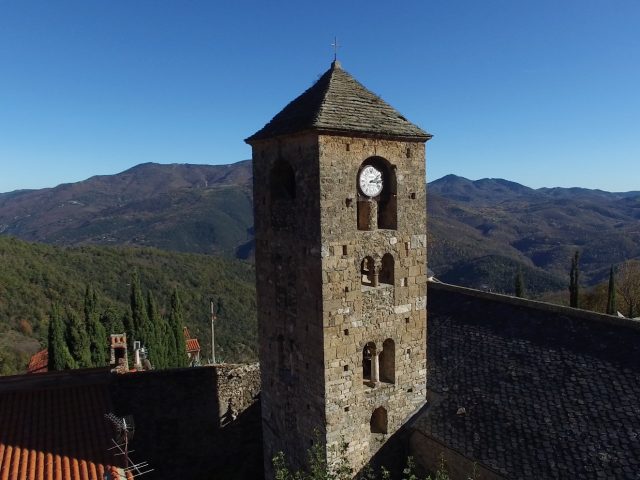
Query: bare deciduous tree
x=628 y=287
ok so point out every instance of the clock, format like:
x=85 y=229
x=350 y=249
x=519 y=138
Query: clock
x=370 y=181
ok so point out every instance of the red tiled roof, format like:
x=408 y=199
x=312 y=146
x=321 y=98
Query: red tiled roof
x=39 y=362
x=193 y=345
x=187 y=334
x=53 y=428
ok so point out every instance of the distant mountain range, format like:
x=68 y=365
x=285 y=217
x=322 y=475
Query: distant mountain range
x=187 y=208
x=472 y=223
x=480 y=231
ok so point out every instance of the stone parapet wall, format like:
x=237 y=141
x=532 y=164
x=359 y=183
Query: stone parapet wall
x=429 y=452
x=237 y=388
x=178 y=417
x=568 y=312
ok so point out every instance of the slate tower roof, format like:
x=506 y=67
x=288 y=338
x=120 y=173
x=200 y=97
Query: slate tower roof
x=336 y=103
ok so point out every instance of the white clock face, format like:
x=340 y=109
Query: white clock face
x=370 y=181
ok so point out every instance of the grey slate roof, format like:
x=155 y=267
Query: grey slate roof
x=552 y=395
x=339 y=103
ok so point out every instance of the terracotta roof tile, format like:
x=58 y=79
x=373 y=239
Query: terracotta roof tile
x=39 y=362
x=193 y=345
x=54 y=429
x=337 y=102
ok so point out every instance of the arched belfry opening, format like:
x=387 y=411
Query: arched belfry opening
x=377 y=189
x=379 y=422
x=387 y=361
x=369 y=364
x=282 y=189
x=387 y=275
x=368 y=274
x=282 y=181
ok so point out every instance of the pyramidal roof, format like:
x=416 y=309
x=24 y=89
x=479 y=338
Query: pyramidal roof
x=337 y=102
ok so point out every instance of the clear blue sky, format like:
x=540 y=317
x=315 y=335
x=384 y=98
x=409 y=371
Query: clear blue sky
x=545 y=93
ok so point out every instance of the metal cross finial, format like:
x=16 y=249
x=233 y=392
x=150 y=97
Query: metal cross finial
x=335 y=46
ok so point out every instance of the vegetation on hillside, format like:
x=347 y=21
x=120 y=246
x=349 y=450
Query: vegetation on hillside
x=35 y=277
x=496 y=273
x=621 y=293
x=207 y=209
x=317 y=468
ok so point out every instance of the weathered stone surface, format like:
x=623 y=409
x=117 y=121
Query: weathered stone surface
x=314 y=379
x=342 y=347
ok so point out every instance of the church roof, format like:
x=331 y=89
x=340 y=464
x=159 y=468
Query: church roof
x=532 y=390
x=337 y=102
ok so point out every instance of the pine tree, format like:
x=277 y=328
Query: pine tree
x=176 y=326
x=59 y=356
x=519 y=284
x=574 y=284
x=139 y=316
x=611 y=297
x=77 y=339
x=95 y=330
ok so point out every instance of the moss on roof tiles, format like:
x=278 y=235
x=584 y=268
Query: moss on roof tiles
x=337 y=102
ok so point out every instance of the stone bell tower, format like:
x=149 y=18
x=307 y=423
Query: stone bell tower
x=340 y=228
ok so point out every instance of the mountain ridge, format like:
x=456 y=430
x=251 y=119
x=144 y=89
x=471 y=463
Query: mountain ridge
x=208 y=209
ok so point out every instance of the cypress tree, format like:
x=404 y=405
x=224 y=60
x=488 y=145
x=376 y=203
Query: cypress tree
x=112 y=321
x=519 y=283
x=77 y=339
x=611 y=297
x=152 y=334
x=176 y=326
x=127 y=326
x=574 y=284
x=59 y=356
x=139 y=317
x=95 y=330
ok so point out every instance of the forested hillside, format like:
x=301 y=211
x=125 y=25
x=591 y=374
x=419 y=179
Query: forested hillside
x=480 y=232
x=35 y=276
x=185 y=208
x=495 y=222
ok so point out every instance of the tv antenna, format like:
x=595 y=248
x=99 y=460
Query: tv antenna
x=124 y=429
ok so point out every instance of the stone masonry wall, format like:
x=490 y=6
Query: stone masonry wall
x=237 y=388
x=179 y=420
x=289 y=290
x=355 y=314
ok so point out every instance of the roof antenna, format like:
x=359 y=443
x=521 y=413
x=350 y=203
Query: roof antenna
x=124 y=430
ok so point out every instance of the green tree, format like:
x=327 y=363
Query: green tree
x=574 y=283
x=519 y=283
x=113 y=320
x=95 y=330
x=317 y=467
x=611 y=294
x=176 y=327
x=59 y=356
x=151 y=334
x=139 y=315
x=77 y=339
